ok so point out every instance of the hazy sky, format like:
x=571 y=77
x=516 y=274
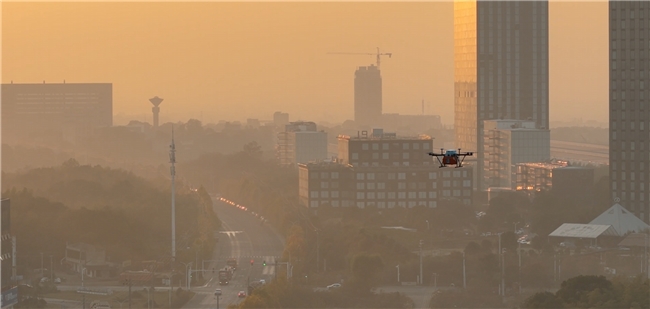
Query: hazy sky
x=219 y=60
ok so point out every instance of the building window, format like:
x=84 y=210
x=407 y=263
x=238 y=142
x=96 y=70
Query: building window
x=375 y=156
x=434 y=185
x=324 y=184
x=405 y=146
x=446 y=193
x=405 y=155
x=391 y=175
x=381 y=185
x=313 y=194
x=416 y=146
x=360 y=176
x=456 y=192
x=361 y=204
x=381 y=204
x=370 y=176
x=364 y=146
x=456 y=173
x=375 y=146
x=422 y=195
x=411 y=204
x=335 y=194
x=335 y=203
x=401 y=176
x=467 y=183
x=433 y=204
x=401 y=195
x=401 y=186
x=412 y=195
x=391 y=204
x=433 y=194
x=446 y=174
x=391 y=195
x=433 y=175
x=360 y=196
x=370 y=195
x=324 y=194
x=384 y=156
x=384 y=146
x=361 y=185
x=425 y=146
x=446 y=184
x=313 y=203
x=401 y=204
x=335 y=175
x=355 y=156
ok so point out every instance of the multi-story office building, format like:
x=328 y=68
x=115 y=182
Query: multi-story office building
x=280 y=119
x=558 y=177
x=508 y=142
x=384 y=171
x=500 y=67
x=71 y=109
x=384 y=149
x=367 y=96
x=301 y=143
x=629 y=111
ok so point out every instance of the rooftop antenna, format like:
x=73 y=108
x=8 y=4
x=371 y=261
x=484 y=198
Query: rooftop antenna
x=172 y=160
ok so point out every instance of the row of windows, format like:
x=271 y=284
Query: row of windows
x=392 y=195
x=391 y=204
x=394 y=156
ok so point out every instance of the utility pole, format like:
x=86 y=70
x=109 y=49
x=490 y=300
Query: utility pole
x=503 y=278
x=42 y=273
x=464 y=273
x=172 y=160
x=317 y=253
x=519 y=253
x=421 y=242
x=397 y=273
x=51 y=270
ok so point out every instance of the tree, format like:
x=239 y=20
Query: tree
x=542 y=300
x=365 y=268
x=575 y=291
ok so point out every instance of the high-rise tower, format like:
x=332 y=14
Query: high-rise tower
x=500 y=68
x=156 y=110
x=629 y=108
x=367 y=96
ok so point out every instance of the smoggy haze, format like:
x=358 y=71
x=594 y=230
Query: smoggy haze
x=247 y=60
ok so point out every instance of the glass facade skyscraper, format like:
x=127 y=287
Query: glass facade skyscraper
x=500 y=68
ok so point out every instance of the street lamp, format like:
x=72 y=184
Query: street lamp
x=397 y=273
x=428 y=227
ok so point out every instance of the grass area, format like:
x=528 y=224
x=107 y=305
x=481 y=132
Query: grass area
x=138 y=298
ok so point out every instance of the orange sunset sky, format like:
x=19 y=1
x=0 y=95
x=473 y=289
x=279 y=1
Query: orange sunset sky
x=238 y=60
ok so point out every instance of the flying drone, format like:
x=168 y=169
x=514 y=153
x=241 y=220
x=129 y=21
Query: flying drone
x=451 y=157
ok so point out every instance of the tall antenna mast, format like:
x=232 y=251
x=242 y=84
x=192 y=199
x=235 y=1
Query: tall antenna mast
x=172 y=160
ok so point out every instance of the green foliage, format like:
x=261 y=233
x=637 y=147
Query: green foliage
x=365 y=268
x=114 y=209
x=542 y=300
x=595 y=292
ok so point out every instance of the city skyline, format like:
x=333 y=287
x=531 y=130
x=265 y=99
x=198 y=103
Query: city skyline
x=235 y=61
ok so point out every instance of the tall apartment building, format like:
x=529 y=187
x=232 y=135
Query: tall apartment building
x=629 y=111
x=500 y=67
x=558 y=177
x=301 y=143
x=383 y=171
x=367 y=96
x=71 y=109
x=508 y=142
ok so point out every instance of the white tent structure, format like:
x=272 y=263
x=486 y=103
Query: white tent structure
x=621 y=220
x=589 y=231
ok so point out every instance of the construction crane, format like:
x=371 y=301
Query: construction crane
x=378 y=54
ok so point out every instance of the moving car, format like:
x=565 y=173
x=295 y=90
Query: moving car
x=241 y=294
x=334 y=286
x=217 y=292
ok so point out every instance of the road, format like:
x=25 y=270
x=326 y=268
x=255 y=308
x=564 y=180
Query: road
x=580 y=152
x=245 y=238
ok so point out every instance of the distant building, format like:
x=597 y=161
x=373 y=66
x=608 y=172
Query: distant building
x=280 y=119
x=384 y=149
x=384 y=171
x=367 y=96
x=301 y=143
x=93 y=258
x=629 y=112
x=508 y=142
x=501 y=56
x=67 y=109
x=7 y=255
x=557 y=177
x=253 y=123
